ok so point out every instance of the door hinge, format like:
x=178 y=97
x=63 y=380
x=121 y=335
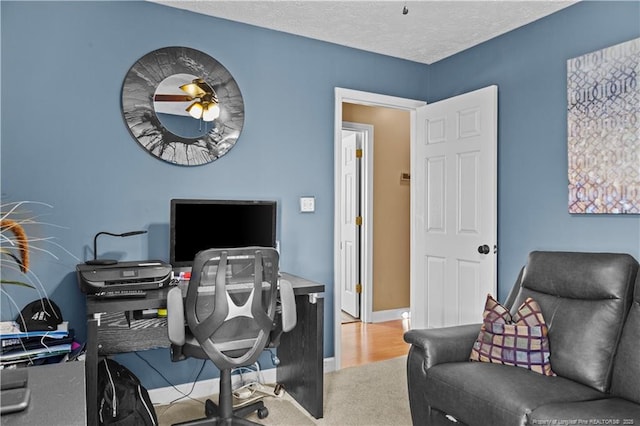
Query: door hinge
x=358 y=220
x=359 y=153
x=358 y=288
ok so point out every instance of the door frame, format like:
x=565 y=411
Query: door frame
x=343 y=95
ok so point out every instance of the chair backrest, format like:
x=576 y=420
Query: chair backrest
x=231 y=303
x=626 y=369
x=584 y=298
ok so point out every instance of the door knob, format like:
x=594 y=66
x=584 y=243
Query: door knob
x=483 y=249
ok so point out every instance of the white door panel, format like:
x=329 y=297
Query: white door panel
x=349 y=249
x=454 y=209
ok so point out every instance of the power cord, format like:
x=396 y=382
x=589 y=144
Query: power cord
x=184 y=395
x=250 y=391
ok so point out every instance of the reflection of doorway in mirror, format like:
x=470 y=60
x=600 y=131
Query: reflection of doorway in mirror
x=171 y=104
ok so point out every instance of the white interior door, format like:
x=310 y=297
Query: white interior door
x=454 y=204
x=349 y=244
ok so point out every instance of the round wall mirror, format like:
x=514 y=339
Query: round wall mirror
x=182 y=106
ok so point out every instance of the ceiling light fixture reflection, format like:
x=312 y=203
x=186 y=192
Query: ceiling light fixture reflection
x=206 y=106
x=207 y=111
x=211 y=112
x=195 y=110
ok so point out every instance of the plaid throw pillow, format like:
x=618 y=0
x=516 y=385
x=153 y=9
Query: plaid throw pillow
x=520 y=340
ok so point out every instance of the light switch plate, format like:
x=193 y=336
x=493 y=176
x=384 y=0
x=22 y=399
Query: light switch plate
x=307 y=204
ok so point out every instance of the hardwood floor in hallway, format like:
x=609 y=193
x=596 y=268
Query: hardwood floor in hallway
x=363 y=343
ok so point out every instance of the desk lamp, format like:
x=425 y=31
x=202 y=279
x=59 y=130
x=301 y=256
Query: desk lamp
x=97 y=261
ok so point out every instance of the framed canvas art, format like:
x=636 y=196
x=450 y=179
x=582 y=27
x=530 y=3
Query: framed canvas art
x=603 y=130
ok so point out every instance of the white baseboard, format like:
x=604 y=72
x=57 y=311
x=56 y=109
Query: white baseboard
x=329 y=365
x=208 y=387
x=389 y=315
x=201 y=389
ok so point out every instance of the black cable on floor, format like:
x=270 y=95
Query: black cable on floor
x=184 y=395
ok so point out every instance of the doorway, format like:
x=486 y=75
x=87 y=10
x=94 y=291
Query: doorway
x=454 y=196
x=346 y=96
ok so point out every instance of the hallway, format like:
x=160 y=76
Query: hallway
x=363 y=343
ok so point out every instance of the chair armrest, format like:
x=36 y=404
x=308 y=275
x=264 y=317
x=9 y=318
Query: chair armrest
x=288 y=303
x=440 y=345
x=175 y=317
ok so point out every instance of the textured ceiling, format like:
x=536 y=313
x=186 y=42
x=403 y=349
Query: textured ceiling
x=430 y=31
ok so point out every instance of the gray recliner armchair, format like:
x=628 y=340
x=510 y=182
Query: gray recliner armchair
x=235 y=307
x=591 y=304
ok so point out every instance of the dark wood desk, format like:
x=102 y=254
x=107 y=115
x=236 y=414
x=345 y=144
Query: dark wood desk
x=301 y=350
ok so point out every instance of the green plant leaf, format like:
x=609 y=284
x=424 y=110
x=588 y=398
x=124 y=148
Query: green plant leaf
x=13 y=256
x=20 y=283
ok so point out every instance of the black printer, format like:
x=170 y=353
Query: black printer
x=135 y=275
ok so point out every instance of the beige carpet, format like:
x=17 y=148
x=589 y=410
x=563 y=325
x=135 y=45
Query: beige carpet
x=369 y=395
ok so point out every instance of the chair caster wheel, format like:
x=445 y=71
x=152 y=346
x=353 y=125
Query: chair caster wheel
x=277 y=391
x=263 y=412
x=210 y=408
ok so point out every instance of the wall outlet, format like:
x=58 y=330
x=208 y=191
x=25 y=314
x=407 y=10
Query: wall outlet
x=307 y=204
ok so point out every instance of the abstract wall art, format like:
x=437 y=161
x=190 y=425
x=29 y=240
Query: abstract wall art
x=603 y=130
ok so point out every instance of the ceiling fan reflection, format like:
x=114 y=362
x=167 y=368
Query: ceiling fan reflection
x=205 y=101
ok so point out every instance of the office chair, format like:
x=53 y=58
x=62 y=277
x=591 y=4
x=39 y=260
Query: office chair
x=235 y=308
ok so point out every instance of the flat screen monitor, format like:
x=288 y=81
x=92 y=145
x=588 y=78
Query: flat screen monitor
x=203 y=224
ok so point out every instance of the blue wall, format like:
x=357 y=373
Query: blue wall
x=73 y=151
x=529 y=67
x=64 y=141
